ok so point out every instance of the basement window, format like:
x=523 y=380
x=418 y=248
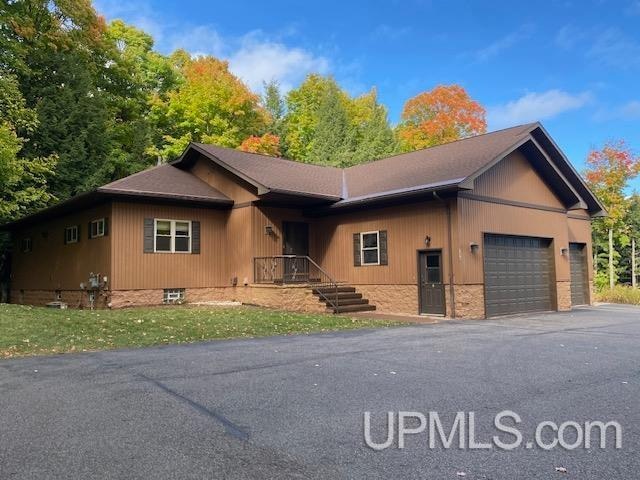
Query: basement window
x=173 y=295
x=172 y=236
x=370 y=248
x=97 y=228
x=71 y=234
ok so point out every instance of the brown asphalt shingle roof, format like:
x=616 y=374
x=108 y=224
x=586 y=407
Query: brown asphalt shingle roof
x=445 y=164
x=279 y=174
x=166 y=181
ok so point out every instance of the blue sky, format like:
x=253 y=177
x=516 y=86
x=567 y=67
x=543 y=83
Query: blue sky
x=574 y=65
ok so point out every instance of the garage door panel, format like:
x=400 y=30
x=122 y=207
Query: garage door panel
x=518 y=274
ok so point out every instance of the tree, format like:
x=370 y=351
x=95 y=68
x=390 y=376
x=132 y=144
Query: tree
x=23 y=181
x=211 y=105
x=135 y=74
x=267 y=144
x=56 y=51
x=332 y=139
x=273 y=104
x=325 y=125
x=609 y=171
x=442 y=115
x=374 y=137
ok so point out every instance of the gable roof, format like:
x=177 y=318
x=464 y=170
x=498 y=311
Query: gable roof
x=451 y=166
x=274 y=174
x=166 y=181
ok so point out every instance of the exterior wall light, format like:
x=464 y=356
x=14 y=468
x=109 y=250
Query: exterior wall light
x=427 y=240
x=268 y=230
x=564 y=251
x=474 y=247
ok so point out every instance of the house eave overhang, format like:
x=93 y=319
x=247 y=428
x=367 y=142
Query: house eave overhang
x=102 y=195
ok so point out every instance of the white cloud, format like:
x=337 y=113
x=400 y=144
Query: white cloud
x=535 y=106
x=503 y=43
x=257 y=61
x=254 y=57
x=199 y=40
x=626 y=111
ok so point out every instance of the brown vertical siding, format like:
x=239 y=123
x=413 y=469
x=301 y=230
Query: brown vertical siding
x=406 y=226
x=134 y=269
x=52 y=265
x=233 y=187
x=269 y=245
x=514 y=179
x=239 y=245
x=476 y=218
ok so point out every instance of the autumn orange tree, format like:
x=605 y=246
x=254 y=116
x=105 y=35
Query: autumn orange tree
x=608 y=173
x=211 y=105
x=267 y=144
x=442 y=115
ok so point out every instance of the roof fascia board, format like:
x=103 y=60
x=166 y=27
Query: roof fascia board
x=580 y=204
x=603 y=212
x=262 y=189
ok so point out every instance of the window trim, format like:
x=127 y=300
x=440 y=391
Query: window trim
x=97 y=221
x=70 y=229
x=363 y=248
x=172 y=235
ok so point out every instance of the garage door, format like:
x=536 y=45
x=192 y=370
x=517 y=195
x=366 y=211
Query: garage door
x=579 y=282
x=519 y=274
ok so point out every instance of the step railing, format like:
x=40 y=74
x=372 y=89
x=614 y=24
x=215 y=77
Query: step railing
x=296 y=269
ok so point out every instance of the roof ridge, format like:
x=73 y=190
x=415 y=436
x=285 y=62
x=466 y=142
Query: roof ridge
x=444 y=144
x=271 y=157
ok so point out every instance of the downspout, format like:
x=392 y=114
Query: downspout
x=452 y=293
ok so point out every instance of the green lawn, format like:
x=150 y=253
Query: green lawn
x=28 y=330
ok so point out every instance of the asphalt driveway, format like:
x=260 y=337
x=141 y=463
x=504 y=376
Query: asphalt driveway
x=292 y=407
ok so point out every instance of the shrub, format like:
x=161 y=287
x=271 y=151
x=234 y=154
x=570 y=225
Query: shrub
x=619 y=294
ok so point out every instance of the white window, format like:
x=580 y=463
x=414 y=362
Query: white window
x=71 y=234
x=97 y=228
x=27 y=245
x=370 y=248
x=173 y=295
x=172 y=236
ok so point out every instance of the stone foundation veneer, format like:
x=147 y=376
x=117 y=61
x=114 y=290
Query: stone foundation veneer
x=563 y=291
x=293 y=298
x=390 y=299
x=73 y=298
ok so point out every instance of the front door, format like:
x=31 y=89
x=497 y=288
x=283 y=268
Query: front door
x=431 y=288
x=295 y=241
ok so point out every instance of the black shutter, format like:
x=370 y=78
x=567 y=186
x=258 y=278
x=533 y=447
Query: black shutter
x=106 y=226
x=357 y=261
x=384 y=258
x=195 y=237
x=89 y=231
x=148 y=235
x=79 y=237
x=64 y=230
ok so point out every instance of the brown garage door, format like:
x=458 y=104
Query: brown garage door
x=518 y=274
x=579 y=282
